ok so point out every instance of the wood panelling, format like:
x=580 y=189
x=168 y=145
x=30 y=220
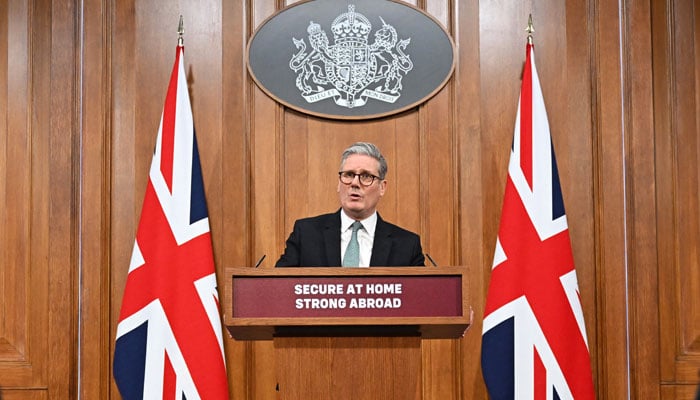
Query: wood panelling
x=678 y=42
x=472 y=247
x=679 y=392
x=232 y=239
x=609 y=193
x=24 y=395
x=95 y=146
x=641 y=200
x=350 y=368
x=38 y=332
x=266 y=200
x=82 y=85
x=15 y=336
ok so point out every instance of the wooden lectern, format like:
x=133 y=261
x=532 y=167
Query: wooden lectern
x=347 y=333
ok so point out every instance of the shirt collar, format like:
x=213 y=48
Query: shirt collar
x=369 y=223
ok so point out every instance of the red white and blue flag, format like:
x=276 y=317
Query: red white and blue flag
x=169 y=341
x=534 y=342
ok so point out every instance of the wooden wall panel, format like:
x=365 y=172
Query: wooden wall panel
x=232 y=243
x=665 y=164
x=609 y=172
x=38 y=335
x=57 y=193
x=15 y=329
x=473 y=247
x=24 y=395
x=686 y=105
x=442 y=375
x=576 y=165
x=641 y=205
x=349 y=368
x=678 y=173
x=267 y=170
x=95 y=163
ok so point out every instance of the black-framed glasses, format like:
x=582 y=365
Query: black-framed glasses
x=366 y=179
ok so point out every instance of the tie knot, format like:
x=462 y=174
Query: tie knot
x=356 y=226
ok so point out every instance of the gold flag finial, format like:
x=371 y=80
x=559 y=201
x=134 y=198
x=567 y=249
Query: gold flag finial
x=180 y=32
x=530 y=28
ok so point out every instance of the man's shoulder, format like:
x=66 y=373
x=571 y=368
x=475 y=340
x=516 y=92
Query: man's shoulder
x=395 y=230
x=322 y=219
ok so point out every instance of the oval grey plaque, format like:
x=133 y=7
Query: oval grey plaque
x=351 y=59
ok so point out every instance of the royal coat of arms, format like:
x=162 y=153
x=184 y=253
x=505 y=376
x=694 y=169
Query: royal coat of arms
x=350 y=70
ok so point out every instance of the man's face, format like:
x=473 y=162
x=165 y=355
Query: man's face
x=359 y=201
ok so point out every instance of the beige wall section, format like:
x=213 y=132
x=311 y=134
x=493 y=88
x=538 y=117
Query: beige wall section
x=82 y=85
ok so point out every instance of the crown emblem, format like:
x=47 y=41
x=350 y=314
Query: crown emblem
x=314 y=28
x=351 y=27
x=351 y=70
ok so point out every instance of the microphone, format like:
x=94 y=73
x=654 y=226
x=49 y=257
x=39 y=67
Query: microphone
x=431 y=259
x=257 y=264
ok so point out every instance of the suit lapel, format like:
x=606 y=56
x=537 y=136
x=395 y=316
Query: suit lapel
x=382 y=244
x=331 y=239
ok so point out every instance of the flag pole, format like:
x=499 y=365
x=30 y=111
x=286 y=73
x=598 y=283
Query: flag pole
x=530 y=29
x=181 y=32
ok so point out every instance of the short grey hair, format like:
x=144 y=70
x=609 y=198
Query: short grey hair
x=367 y=149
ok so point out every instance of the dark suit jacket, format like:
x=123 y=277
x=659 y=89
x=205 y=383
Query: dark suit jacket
x=315 y=242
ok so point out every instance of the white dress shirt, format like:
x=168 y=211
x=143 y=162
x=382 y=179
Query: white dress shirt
x=365 y=236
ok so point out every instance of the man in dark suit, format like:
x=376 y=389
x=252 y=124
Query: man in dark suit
x=355 y=235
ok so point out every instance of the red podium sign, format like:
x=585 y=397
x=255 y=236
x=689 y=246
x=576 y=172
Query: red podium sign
x=424 y=301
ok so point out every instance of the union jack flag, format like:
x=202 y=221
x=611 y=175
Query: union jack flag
x=169 y=339
x=534 y=342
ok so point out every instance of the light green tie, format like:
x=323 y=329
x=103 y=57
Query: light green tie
x=352 y=252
